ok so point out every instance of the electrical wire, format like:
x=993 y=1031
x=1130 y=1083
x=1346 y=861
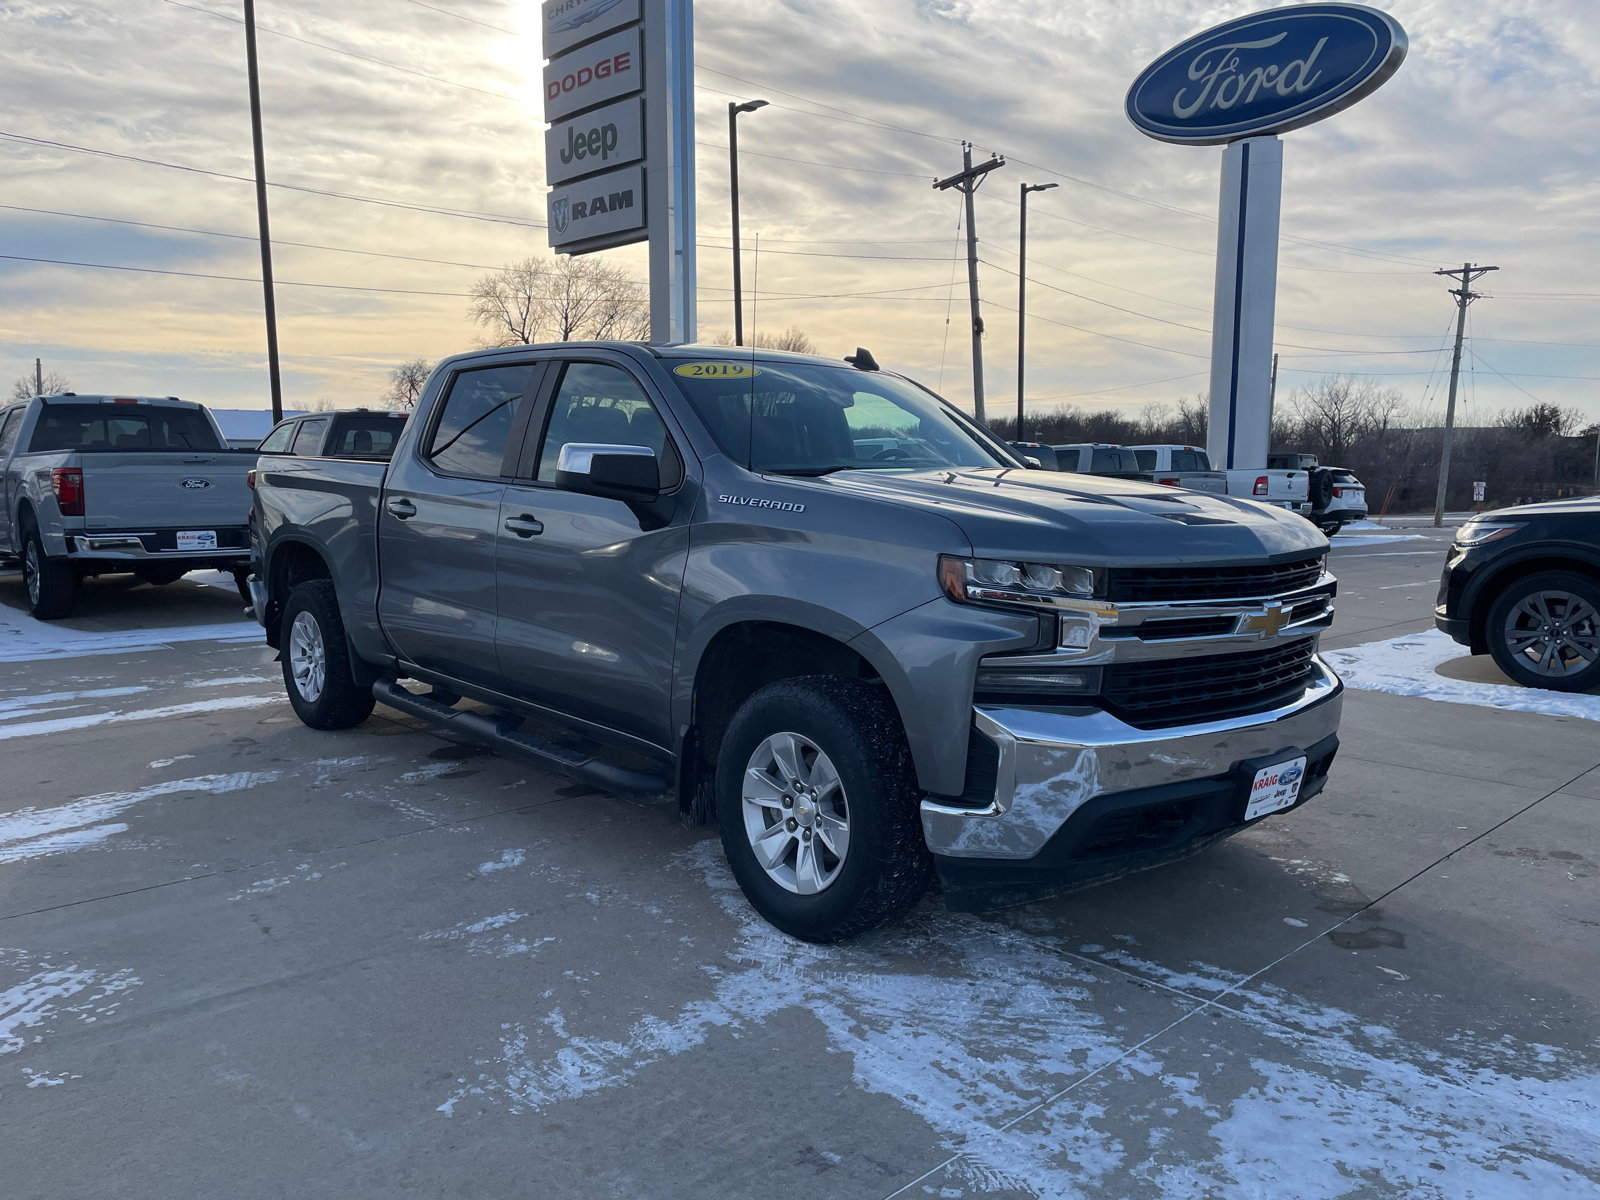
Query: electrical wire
x=343 y=287
x=460 y=17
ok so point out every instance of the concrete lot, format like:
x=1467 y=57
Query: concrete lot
x=244 y=958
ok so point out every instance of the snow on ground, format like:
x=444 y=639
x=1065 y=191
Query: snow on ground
x=1004 y=1042
x=118 y=717
x=32 y=832
x=1407 y=666
x=26 y=1005
x=1341 y=540
x=23 y=639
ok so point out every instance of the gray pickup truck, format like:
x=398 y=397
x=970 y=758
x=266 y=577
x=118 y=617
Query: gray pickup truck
x=821 y=605
x=94 y=485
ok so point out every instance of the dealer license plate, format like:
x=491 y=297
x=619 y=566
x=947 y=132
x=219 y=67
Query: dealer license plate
x=1275 y=787
x=197 y=539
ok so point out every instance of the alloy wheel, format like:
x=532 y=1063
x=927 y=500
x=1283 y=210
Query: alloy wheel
x=308 y=657
x=30 y=571
x=796 y=814
x=1553 y=633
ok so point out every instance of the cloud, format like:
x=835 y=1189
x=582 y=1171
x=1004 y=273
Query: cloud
x=1483 y=147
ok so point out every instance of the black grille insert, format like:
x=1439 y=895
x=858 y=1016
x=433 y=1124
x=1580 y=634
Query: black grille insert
x=1170 y=691
x=1146 y=585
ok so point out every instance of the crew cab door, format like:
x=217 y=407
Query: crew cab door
x=588 y=598
x=438 y=520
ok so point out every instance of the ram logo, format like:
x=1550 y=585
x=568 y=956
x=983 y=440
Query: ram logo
x=194 y=485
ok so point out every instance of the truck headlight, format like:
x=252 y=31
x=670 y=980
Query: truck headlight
x=988 y=580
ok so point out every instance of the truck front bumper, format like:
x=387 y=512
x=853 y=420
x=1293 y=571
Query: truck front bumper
x=1081 y=797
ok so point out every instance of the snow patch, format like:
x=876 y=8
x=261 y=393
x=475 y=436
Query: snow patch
x=987 y=1031
x=1408 y=666
x=1340 y=540
x=23 y=639
x=508 y=859
x=32 y=832
x=37 y=999
x=88 y=720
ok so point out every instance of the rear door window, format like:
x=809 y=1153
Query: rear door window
x=9 y=425
x=309 y=439
x=122 y=427
x=1146 y=459
x=1189 y=460
x=475 y=424
x=277 y=442
x=366 y=436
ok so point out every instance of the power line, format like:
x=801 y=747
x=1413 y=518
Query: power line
x=343 y=287
x=1124 y=388
x=460 y=17
x=466 y=213
x=378 y=62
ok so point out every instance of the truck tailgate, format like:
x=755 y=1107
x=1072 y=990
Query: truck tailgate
x=142 y=490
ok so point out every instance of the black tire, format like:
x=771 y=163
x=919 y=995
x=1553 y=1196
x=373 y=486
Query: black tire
x=159 y=575
x=1329 y=528
x=241 y=580
x=1320 y=489
x=52 y=583
x=335 y=701
x=1571 y=602
x=886 y=866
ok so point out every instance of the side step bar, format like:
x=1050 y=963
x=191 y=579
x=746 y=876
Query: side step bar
x=503 y=735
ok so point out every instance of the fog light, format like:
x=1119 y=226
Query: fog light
x=1036 y=680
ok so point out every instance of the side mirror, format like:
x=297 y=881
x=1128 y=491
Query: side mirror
x=627 y=473
x=1033 y=463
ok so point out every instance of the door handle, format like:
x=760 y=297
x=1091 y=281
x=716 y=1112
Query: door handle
x=402 y=508
x=524 y=526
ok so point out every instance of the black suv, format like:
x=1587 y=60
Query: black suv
x=1523 y=584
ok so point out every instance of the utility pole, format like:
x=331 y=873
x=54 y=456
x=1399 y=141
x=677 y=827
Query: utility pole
x=261 y=210
x=38 y=378
x=967 y=181
x=1022 y=291
x=1464 y=296
x=733 y=183
x=1272 y=398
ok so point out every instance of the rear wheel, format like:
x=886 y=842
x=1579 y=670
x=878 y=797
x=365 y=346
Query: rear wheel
x=316 y=661
x=52 y=582
x=1544 y=631
x=818 y=803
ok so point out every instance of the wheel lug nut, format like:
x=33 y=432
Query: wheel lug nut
x=788 y=801
x=790 y=825
x=806 y=835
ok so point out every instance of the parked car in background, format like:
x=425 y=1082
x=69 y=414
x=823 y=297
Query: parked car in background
x=1181 y=466
x=1288 y=489
x=1337 y=497
x=1523 y=584
x=1084 y=458
x=867 y=662
x=95 y=485
x=349 y=433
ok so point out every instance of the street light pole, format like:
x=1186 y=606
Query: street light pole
x=273 y=376
x=1022 y=291
x=733 y=184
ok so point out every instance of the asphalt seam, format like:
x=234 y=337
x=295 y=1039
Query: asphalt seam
x=1204 y=1003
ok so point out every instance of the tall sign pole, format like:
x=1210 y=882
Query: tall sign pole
x=1464 y=296
x=967 y=181
x=619 y=153
x=263 y=227
x=1239 y=85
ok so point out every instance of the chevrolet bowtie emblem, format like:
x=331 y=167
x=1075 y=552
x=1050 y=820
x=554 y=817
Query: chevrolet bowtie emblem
x=1268 y=621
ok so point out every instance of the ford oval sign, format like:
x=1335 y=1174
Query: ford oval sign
x=1266 y=73
x=194 y=485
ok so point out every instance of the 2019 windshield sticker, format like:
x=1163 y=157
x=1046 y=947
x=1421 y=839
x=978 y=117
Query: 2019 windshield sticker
x=754 y=502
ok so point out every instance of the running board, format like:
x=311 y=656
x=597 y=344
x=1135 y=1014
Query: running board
x=503 y=735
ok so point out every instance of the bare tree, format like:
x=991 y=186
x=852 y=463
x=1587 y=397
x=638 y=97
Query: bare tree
x=568 y=299
x=1194 y=419
x=406 y=381
x=793 y=339
x=54 y=385
x=1338 y=411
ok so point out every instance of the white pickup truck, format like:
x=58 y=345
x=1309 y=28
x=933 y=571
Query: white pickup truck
x=101 y=484
x=1190 y=467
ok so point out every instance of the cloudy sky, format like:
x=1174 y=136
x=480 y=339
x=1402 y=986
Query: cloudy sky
x=425 y=120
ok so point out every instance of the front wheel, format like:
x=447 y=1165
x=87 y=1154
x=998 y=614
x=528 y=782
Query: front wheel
x=818 y=803
x=52 y=583
x=316 y=661
x=1544 y=631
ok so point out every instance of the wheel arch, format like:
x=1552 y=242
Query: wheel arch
x=1485 y=592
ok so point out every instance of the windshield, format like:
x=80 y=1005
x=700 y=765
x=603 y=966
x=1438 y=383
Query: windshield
x=788 y=418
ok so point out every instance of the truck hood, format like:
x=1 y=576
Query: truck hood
x=1090 y=519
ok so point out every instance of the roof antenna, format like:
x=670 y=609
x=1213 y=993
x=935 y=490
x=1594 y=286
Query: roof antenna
x=862 y=359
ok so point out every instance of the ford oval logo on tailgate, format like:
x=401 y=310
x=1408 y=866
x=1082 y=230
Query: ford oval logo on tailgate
x=194 y=485
x=1266 y=73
